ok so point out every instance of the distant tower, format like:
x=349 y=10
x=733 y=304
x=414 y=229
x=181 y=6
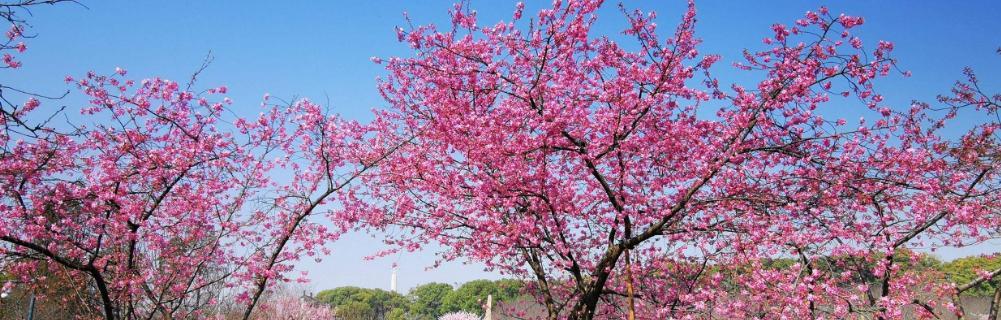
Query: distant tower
x=392 y=281
x=489 y=312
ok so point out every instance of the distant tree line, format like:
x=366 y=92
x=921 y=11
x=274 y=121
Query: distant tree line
x=958 y=271
x=427 y=301
x=432 y=300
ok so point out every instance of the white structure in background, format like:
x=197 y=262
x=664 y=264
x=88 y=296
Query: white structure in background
x=392 y=281
x=488 y=314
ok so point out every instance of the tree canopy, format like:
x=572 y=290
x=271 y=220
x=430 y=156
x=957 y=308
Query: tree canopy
x=613 y=176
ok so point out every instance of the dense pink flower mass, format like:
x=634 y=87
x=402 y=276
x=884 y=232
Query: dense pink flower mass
x=291 y=308
x=622 y=183
x=561 y=156
x=161 y=203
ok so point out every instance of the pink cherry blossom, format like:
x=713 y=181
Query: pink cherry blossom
x=621 y=179
x=585 y=167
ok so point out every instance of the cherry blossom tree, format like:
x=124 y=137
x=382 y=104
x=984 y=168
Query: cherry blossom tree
x=623 y=182
x=325 y=155
x=161 y=199
x=633 y=183
x=287 y=307
x=157 y=200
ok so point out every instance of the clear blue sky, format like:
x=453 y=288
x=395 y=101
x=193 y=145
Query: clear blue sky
x=321 y=49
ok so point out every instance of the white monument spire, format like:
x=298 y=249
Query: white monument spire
x=392 y=281
x=489 y=312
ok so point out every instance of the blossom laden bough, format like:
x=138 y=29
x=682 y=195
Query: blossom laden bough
x=161 y=202
x=554 y=154
x=536 y=147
